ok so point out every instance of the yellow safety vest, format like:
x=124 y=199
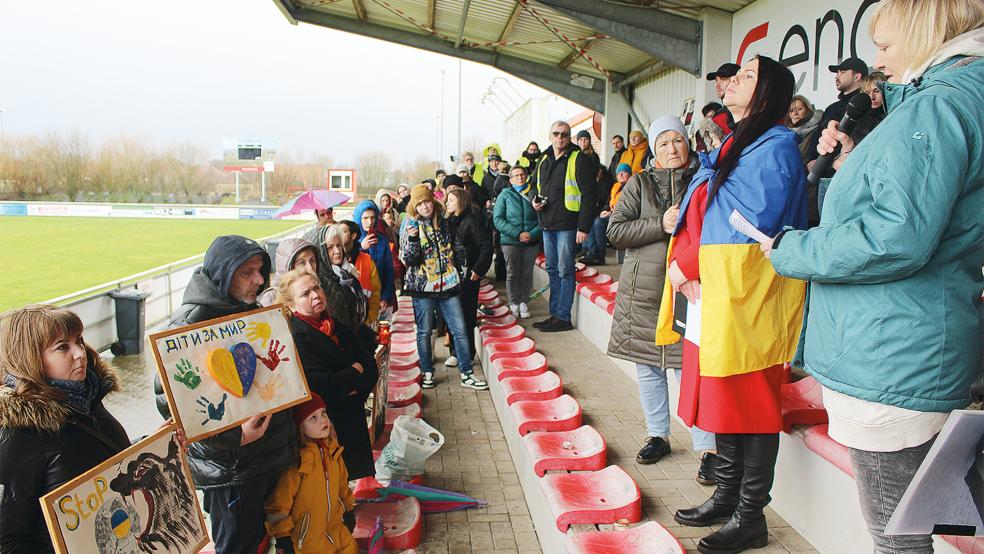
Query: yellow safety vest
x=572 y=192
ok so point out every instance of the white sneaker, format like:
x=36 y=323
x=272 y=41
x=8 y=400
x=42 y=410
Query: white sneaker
x=524 y=311
x=514 y=309
x=451 y=362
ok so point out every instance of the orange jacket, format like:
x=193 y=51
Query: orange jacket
x=369 y=280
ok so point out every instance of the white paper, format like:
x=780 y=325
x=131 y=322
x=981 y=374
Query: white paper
x=692 y=333
x=745 y=227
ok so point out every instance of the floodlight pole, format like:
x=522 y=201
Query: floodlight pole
x=237 y=186
x=440 y=148
x=459 y=109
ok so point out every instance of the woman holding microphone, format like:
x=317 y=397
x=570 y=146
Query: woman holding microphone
x=894 y=327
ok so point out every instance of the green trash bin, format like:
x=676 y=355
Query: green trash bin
x=130 y=321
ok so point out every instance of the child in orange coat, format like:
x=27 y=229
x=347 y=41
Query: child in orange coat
x=304 y=513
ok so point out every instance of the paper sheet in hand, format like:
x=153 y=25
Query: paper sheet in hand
x=939 y=498
x=745 y=227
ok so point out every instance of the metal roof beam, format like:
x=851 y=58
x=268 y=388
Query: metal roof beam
x=549 y=77
x=672 y=38
x=360 y=10
x=431 y=15
x=461 y=23
x=575 y=54
x=510 y=23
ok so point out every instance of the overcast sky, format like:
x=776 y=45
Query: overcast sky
x=205 y=70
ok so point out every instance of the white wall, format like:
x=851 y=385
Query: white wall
x=663 y=94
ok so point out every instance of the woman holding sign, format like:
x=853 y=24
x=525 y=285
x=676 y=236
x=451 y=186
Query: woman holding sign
x=742 y=320
x=337 y=366
x=53 y=425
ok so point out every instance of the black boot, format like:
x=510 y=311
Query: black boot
x=728 y=472
x=747 y=528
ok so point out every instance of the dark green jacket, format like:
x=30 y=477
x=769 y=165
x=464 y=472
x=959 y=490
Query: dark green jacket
x=514 y=214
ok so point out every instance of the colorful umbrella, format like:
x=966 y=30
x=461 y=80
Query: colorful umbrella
x=432 y=500
x=376 y=537
x=311 y=200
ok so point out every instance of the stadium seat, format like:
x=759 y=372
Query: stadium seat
x=403 y=316
x=817 y=440
x=802 y=404
x=402 y=523
x=403 y=349
x=592 y=497
x=583 y=272
x=593 y=290
x=605 y=302
x=534 y=364
x=499 y=312
x=412 y=410
x=489 y=298
x=402 y=396
x=404 y=362
x=504 y=321
x=511 y=333
x=580 y=266
x=398 y=327
x=582 y=449
x=403 y=377
x=544 y=386
x=368 y=487
x=596 y=279
x=517 y=349
x=541 y=260
x=558 y=414
x=486 y=287
x=648 y=538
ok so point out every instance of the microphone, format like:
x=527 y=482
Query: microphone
x=857 y=108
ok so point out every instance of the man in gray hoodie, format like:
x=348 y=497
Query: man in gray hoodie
x=237 y=468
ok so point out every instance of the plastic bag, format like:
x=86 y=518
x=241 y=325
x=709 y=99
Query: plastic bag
x=412 y=441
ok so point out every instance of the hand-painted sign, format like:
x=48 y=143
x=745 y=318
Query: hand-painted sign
x=141 y=500
x=221 y=372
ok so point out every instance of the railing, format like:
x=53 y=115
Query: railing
x=166 y=285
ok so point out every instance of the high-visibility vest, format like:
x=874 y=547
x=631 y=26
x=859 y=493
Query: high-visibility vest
x=572 y=192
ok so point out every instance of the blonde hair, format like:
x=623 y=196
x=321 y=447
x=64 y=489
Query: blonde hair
x=284 y=295
x=927 y=24
x=870 y=82
x=25 y=334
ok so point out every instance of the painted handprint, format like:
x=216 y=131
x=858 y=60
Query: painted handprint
x=187 y=374
x=273 y=358
x=259 y=331
x=270 y=389
x=213 y=411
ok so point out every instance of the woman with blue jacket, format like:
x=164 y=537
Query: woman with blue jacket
x=519 y=229
x=372 y=239
x=893 y=331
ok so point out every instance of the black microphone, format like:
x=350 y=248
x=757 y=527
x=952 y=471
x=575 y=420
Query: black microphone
x=857 y=108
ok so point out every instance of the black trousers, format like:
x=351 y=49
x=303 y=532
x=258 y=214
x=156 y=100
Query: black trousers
x=238 y=518
x=469 y=306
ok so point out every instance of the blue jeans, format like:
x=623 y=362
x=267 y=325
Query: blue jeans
x=558 y=247
x=597 y=241
x=423 y=315
x=655 y=398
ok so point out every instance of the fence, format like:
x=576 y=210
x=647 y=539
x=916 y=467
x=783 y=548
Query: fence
x=166 y=285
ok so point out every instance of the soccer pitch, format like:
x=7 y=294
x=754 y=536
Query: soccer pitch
x=45 y=257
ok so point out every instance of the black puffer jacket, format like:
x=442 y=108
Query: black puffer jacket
x=44 y=444
x=472 y=238
x=329 y=371
x=219 y=461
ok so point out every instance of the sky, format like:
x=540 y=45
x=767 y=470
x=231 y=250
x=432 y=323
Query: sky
x=207 y=70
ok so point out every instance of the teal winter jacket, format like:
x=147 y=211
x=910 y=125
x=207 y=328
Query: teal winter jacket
x=895 y=311
x=512 y=215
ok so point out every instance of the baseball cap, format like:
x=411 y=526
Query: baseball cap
x=726 y=70
x=495 y=158
x=856 y=65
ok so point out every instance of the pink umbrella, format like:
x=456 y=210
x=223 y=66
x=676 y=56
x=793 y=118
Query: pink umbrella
x=312 y=200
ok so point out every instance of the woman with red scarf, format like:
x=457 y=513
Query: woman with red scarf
x=337 y=365
x=742 y=319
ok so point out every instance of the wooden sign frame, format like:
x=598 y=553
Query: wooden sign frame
x=377 y=418
x=166 y=383
x=49 y=501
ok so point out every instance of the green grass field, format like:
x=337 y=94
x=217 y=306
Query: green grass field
x=45 y=257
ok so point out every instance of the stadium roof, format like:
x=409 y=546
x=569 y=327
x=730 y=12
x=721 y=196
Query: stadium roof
x=569 y=47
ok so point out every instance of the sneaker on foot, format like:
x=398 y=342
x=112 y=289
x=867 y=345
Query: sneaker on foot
x=471 y=382
x=545 y=322
x=514 y=309
x=708 y=463
x=524 y=311
x=655 y=449
x=557 y=326
x=428 y=380
x=451 y=362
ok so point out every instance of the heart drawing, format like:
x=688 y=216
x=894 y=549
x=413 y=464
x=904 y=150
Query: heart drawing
x=233 y=369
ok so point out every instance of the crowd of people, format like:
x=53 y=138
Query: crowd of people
x=877 y=296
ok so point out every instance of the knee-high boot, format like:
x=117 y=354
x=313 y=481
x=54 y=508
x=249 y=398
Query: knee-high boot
x=747 y=528
x=728 y=474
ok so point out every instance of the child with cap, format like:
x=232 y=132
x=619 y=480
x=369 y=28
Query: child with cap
x=305 y=512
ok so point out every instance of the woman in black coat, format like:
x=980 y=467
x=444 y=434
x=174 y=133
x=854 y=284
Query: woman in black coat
x=339 y=367
x=53 y=425
x=473 y=246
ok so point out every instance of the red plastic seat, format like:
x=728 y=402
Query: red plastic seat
x=398 y=327
x=512 y=333
x=404 y=316
x=404 y=339
x=403 y=348
x=405 y=362
x=596 y=279
x=403 y=377
x=593 y=290
x=592 y=497
x=817 y=440
x=580 y=266
x=802 y=404
x=534 y=364
x=582 y=272
x=647 y=538
x=368 y=487
x=557 y=414
x=544 y=386
x=611 y=309
x=402 y=396
x=582 y=449
x=516 y=349
x=486 y=287
x=488 y=297
x=412 y=410
x=606 y=301
x=403 y=523
x=499 y=312
x=504 y=321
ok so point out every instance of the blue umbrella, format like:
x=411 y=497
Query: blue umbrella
x=311 y=200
